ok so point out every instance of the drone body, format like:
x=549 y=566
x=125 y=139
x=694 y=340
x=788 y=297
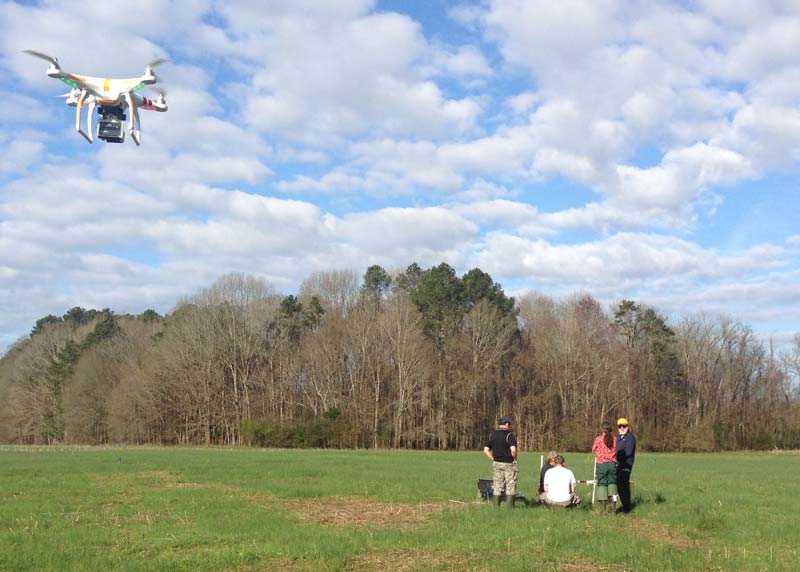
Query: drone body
x=112 y=97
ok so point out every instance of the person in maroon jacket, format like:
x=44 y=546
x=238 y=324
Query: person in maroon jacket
x=605 y=473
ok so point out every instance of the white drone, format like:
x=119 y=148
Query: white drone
x=112 y=96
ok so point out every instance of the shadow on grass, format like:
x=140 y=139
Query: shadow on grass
x=709 y=520
x=654 y=498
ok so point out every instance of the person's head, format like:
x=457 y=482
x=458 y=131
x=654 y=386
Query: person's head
x=559 y=461
x=551 y=456
x=608 y=437
x=504 y=422
x=622 y=425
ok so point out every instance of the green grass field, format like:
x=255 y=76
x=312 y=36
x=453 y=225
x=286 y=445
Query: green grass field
x=170 y=509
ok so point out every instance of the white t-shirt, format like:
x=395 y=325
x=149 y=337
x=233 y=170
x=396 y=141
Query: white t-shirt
x=558 y=481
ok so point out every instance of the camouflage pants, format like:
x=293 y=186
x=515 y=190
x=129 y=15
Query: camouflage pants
x=504 y=477
x=574 y=501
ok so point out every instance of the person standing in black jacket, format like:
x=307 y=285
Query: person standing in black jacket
x=626 y=453
x=501 y=448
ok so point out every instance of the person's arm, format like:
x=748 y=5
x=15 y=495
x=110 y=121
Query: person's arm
x=488 y=452
x=511 y=440
x=572 y=487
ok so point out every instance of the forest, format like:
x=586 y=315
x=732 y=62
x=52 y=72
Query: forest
x=422 y=358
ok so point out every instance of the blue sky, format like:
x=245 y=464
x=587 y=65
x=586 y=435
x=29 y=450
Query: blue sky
x=618 y=148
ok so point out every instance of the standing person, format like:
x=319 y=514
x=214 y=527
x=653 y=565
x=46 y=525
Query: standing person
x=549 y=463
x=559 y=485
x=605 y=475
x=626 y=452
x=501 y=448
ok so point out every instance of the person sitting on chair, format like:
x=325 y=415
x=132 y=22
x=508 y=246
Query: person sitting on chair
x=559 y=485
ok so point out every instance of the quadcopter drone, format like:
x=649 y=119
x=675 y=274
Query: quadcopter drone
x=111 y=96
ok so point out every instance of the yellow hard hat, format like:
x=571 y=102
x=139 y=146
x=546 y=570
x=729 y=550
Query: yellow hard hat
x=622 y=421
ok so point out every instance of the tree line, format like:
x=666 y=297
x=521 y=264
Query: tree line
x=423 y=358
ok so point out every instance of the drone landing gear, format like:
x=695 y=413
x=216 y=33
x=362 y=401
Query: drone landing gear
x=134 y=124
x=88 y=134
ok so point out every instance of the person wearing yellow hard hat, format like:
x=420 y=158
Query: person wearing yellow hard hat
x=626 y=452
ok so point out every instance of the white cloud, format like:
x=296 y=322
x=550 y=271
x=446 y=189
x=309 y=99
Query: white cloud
x=619 y=261
x=613 y=75
x=523 y=102
x=391 y=115
x=541 y=34
x=18 y=109
x=17 y=155
x=483 y=190
x=408 y=229
x=61 y=31
x=319 y=77
x=464 y=61
x=522 y=217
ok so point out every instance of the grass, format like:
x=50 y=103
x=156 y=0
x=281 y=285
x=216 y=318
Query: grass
x=248 y=510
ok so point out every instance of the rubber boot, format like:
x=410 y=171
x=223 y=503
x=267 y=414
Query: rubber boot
x=496 y=501
x=510 y=500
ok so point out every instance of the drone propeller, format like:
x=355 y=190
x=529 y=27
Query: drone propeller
x=72 y=93
x=155 y=63
x=53 y=61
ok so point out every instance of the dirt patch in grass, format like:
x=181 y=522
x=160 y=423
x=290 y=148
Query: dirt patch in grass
x=158 y=476
x=655 y=533
x=410 y=561
x=357 y=511
x=153 y=479
x=588 y=566
x=183 y=485
x=167 y=480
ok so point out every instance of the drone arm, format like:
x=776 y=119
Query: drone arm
x=78 y=109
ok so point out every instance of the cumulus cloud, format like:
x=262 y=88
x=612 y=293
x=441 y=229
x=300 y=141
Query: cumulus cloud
x=17 y=155
x=58 y=29
x=322 y=74
x=612 y=75
x=618 y=261
x=464 y=61
x=522 y=217
x=453 y=142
